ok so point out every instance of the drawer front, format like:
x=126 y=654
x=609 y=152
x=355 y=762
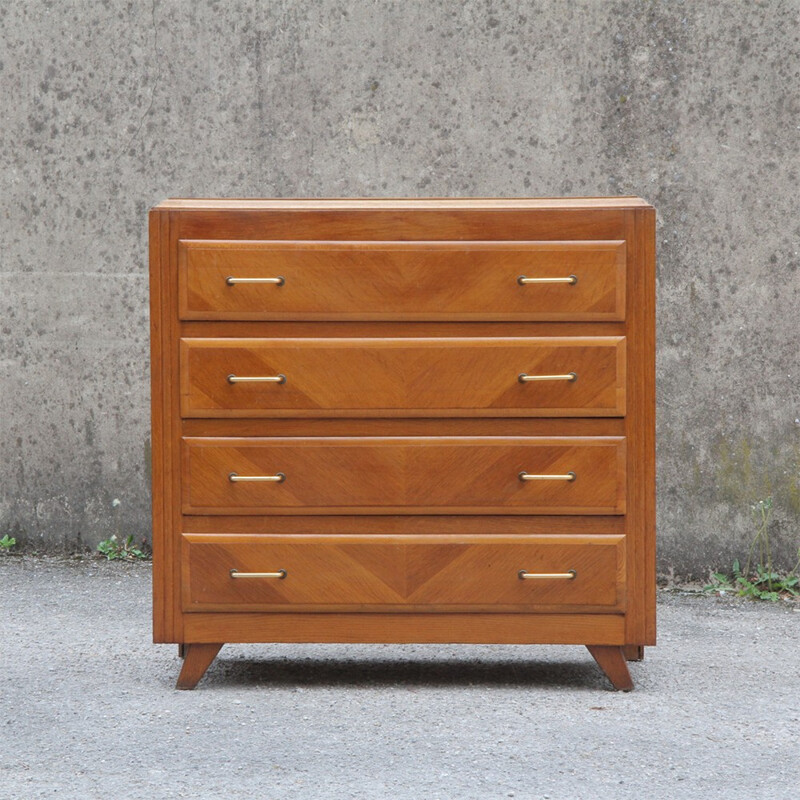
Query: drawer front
x=566 y=376
x=573 y=280
x=430 y=573
x=404 y=475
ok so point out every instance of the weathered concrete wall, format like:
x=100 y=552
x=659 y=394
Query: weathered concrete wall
x=109 y=107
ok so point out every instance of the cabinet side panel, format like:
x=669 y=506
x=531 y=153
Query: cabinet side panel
x=159 y=243
x=172 y=413
x=640 y=627
x=646 y=234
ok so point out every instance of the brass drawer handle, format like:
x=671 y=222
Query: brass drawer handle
x=280 y=574
x=571 y=279
x=277 y=281
x=277 y=478
x=280 y=378
x=526 y=476
x=569 y=575
x=525 y=378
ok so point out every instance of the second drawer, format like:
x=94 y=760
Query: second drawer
x=442 y=376
x=404 y=475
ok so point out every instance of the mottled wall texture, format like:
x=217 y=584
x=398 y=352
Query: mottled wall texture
x=108 y=107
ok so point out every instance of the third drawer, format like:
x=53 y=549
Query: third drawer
x=404 y=475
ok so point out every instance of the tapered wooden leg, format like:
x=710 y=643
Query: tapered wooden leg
x=197 y=659
x=611 y=659
x=181 y=651
x=634 y=652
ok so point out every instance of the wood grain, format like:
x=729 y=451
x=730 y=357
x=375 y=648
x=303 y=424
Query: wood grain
x=417 y=524
x=401 y=280
x=411 y=251
x=162 y=467
x=633 y=652
x=445 y=223
x=405 y=203
x=646 y=369
x=402 y=426
x=612 y=661
x=393 y=329
x=640 y=424
x=197 y=659
x=362 y=626
x=405 y=475
x=403 y=377
x=403 y=573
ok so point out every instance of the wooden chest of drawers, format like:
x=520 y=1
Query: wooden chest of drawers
x=403 y=421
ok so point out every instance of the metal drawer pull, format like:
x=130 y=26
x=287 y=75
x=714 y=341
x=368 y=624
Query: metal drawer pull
x=278 y=281
x=280 y=378
x=277 y=478
x=572 y=279
x=280 y=574
x=569 y=575
x=525 y=378
x=526 y=476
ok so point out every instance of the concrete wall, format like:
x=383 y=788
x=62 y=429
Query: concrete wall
x=109 y=107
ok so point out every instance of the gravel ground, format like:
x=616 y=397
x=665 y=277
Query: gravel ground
x=88 y=709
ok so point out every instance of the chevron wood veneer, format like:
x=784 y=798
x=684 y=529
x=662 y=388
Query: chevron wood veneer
x=396 y=475
x=403 y=421
x=406 y=377
x=392 y=280
x=416 y=573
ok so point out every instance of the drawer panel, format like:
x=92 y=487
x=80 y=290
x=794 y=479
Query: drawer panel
x=430 y=573
x=404 y=475
x=542 y=376
x=401 y=280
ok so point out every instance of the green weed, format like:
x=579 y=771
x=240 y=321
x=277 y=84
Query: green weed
x=114 y=549
x=759 y=580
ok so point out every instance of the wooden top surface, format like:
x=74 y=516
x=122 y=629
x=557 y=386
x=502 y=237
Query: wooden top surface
x=390 y=203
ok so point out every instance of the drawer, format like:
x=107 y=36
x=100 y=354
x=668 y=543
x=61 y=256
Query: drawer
x=404 y=475
x=427 y=573
x=564 y=376
x=318 y=280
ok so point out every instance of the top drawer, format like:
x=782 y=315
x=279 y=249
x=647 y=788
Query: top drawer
x=337 y=280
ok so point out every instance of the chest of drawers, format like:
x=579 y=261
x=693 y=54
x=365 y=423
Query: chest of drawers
x=403 y=421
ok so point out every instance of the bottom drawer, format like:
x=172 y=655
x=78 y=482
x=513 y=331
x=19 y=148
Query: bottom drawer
x=403 y=573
